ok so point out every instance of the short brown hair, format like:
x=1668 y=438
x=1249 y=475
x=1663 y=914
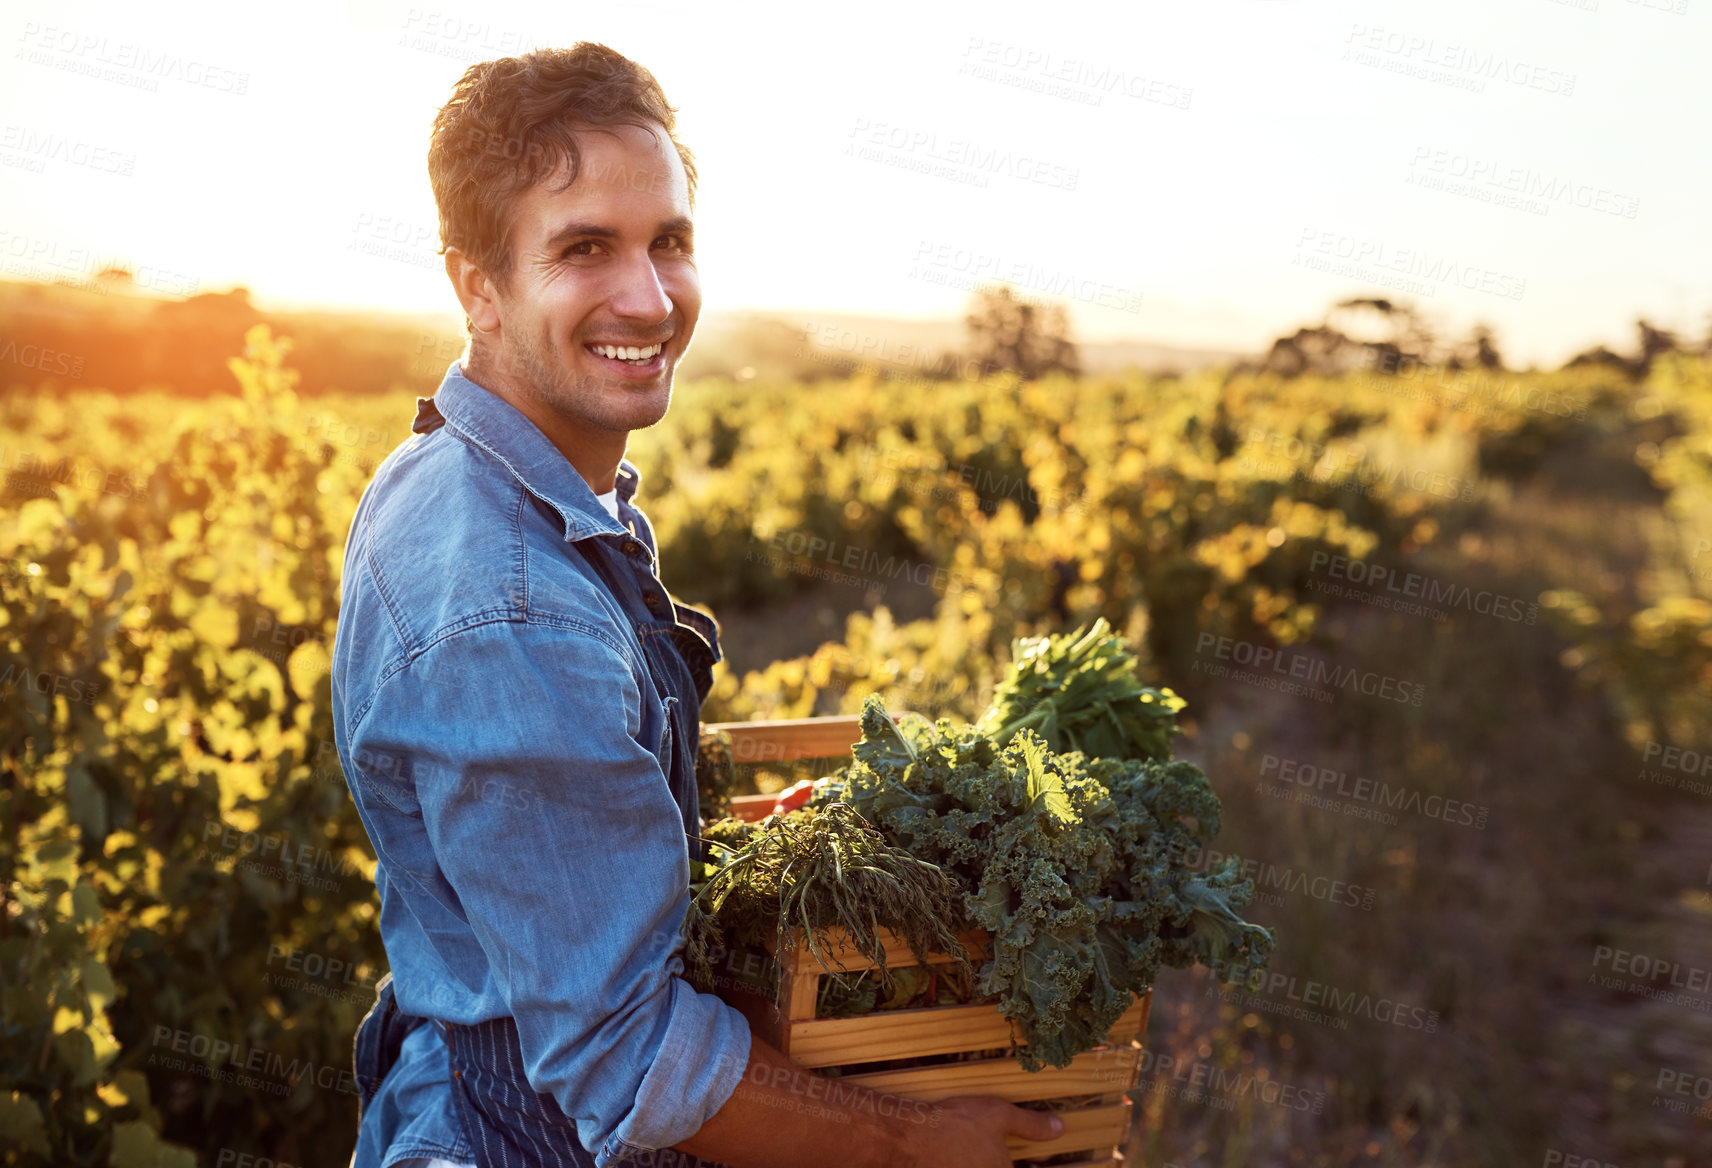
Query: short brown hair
x=509 y=124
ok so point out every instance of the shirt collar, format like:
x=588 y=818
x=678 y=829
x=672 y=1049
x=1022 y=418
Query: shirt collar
x=502 y=431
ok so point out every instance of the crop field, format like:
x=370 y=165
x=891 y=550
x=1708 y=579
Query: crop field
x=1445 y=639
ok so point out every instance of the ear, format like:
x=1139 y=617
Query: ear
x=475 y=291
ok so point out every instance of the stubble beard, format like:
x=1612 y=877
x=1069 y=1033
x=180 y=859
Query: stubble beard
x=585 y=400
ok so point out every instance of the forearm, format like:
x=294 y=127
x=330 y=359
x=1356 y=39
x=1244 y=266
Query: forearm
x=782 y=1116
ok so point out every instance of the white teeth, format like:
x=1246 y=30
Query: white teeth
x=627 y=352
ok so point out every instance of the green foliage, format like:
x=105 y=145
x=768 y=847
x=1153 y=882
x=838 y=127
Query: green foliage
x=1072 y=864
x=1650 y=648
x=1079 y=691
x=173 y=822
x=814 y=871
x=169 y=585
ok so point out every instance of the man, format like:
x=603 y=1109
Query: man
x=515 y=694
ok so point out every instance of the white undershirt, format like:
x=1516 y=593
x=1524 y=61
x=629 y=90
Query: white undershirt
x=610 y=502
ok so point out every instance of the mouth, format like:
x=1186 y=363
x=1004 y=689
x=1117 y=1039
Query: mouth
x=634 y=360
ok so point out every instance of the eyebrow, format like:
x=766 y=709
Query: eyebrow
x=579 y=229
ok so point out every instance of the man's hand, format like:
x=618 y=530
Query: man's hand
x=972 y=1130
x=782 y=1116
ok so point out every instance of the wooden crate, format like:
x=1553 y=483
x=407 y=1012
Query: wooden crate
x=1100 y=1079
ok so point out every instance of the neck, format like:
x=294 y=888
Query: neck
x=593 y=455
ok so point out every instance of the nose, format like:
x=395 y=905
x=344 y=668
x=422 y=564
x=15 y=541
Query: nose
x=637 y=293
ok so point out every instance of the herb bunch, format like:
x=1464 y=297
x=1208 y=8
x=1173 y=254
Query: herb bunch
x=815 y=871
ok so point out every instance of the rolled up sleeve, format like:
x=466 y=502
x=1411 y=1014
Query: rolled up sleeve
x=559 y=841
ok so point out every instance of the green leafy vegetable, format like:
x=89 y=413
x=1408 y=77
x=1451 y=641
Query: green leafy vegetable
x=1073 y=865
x=1058 y=823
x=1079 y=691
x=815 y=871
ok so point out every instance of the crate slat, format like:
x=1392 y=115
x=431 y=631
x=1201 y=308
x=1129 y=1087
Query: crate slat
x=1132 y=1023
x=1093 y=1072
x=892 y=1034
x=789 y=739
x=1085 y=1129
x=843 y=957
x=752 y=808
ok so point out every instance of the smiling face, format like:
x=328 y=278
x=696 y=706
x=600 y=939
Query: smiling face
x=585 y=333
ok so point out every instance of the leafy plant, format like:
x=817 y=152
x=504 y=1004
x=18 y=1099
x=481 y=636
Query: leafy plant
x=1072 y=864
x=1079 y=691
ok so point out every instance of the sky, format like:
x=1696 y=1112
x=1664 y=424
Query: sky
x=1209 y=174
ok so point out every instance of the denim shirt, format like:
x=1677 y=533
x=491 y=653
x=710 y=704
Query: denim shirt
x=503 y=742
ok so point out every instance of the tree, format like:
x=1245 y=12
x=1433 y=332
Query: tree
x=1006 y=332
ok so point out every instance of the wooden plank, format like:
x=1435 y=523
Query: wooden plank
x=788 y=739
x=1133 y=1022
x=1085 y=1129
x=890 y=1034
x=801 y=995
x=842 y=956
x=1093 y=1072
x=753 y=808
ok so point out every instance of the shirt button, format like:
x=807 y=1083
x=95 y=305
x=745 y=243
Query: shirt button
x=631 y=547
x=654 y=601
